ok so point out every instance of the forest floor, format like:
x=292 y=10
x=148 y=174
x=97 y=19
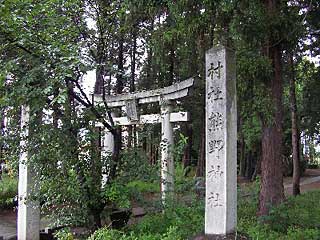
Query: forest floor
x=309 y=181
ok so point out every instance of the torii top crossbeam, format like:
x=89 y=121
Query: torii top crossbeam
x=175 y=91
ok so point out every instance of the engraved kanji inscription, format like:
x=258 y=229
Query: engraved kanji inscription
x=215 y=93
x=216 y=146
x=215 y=172
x=215 y=70
x=215 y=121
x=214 y=200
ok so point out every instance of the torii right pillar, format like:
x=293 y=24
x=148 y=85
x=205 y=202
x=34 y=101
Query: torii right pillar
x=221 y=143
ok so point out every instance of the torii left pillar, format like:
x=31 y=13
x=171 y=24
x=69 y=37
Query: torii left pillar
x=167 y=164
x=28 y=209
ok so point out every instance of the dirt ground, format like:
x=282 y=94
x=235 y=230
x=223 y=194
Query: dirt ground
x=309 y=181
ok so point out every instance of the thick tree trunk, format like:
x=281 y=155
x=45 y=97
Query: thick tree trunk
x=271 y=192
x=294 y=134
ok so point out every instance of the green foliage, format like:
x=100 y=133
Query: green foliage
x=184 y=184
x=8 y=191
x=47 y=47
x=179 y=221
x=109 y=234
x=117 y=194
x=106 y=234
x=144 y=187
x=64 y=234
x=308 y=76
x=135 y=166
x=297 y=218
x=179 y=145
x=303 y=233
x=188 y=219
x=302 y=211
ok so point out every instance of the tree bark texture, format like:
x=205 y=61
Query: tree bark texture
x=271 y=191
x=294 y=133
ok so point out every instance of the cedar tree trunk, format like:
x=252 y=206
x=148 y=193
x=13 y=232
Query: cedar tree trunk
x=271 y=191
x=294 y=134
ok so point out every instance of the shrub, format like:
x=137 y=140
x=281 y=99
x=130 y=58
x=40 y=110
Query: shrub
x=144 y=187
x=64 y=234
x=110 y=234
x=302 y=211
x=303 y=234
x=178 y=222
x=8 y=191
x=297 y=218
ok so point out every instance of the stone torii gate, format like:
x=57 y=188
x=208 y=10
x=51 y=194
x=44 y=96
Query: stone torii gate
x=164 y=97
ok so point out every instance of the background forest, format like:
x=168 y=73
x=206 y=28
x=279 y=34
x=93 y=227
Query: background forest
x=48 y=47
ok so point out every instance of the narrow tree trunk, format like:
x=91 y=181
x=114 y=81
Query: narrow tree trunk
x=186 y=160
x=294 y=133
x=120 y=80
x=242 y=160
x=172 y=63
x=131 y=128
x=201 y=85
x=257 y=165
x=115 y=154
x=202 y=153
x=272 y=192
x=2 y=128
x=241 y=148
x=96 y=203
x=249 y=164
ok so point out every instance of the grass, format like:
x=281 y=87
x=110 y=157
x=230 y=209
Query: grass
x=296 y=219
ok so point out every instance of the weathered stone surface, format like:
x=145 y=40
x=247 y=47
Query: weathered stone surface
x=28 y=210
x=175 y=91
x=221 y=142
x=167 y=165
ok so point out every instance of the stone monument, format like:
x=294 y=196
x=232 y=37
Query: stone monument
x=221 y=143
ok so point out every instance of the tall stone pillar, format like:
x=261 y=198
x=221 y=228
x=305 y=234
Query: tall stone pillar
x=28 y=209
x=221 y=142
x=167 y=164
